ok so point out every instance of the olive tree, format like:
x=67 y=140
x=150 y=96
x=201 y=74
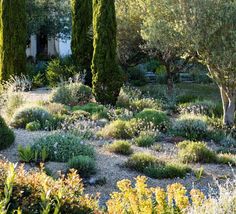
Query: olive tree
x=163 y=38
x=210 y=26
x=204 y=29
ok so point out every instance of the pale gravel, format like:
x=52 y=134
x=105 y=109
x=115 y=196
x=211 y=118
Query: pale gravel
x=110 y=166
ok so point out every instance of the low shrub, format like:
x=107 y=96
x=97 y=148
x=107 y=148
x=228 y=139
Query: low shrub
x=61 y=147
x=190 y=127
x=228 y=142
x=7 y=136
x=154 y=168
x=26 y=115
x=72 y=94
x=35 y=192
x=118 y=129
x=97 y=111
x=204 y=107
x=138 y=105
x=167 y=171
x=120 y=147
x=60 y=70
x=195 y=152
x=84 y=165
x=56 y=108
x=144 y=140
x=33 y=126
x=158 y=118
x=226 y=159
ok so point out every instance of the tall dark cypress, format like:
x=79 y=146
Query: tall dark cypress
x=13 y=38
x=107 y=76
x=82 y=41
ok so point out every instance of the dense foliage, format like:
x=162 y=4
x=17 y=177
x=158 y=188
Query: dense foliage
x=107 y=76
x=13 y=37
x=82 y=42
x=7 y=136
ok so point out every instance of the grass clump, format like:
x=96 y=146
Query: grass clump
x=7 y=136
x=154 y=168
x=158 y=118
x=84 y=165
x=118 y=129
x=144 y=140
x=196 y=152
x=190 y=127
x=120 y=147
x=61 y=147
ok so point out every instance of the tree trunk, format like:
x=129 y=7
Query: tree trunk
x=170 y=82
x=228 y=101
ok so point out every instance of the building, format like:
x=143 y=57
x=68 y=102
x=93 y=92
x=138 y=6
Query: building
x=41 y=45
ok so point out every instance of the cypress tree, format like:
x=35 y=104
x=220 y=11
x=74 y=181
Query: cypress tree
x=82 y=42
x=107 y=76
x=13 y=38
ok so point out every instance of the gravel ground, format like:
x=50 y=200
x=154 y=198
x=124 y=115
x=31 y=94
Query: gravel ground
x=110 y=166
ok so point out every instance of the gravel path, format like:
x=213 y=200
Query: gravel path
x=110 y=166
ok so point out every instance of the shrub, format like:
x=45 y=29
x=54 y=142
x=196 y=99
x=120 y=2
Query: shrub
x=60 y=70
x=154 y=168
x=195 y=152
x=140 y=161
x=33 y=126
x=62 y=147
x=157 y=118
x=72 y=94
x=167 y=171
x=227 y=159
x=97 y=111
x=228 y=142
x=56 y=108
x=189 y=127
x=136 y=76
x=26 y=115
x=205 y=107
x=144 y=140
x=6 y=135
x=42 y=193
x=14 y=100
x=120 y=147
x=117 y=129
x=85 y=165
x=186 y=98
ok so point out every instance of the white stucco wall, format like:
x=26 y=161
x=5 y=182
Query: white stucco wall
x=64 y=47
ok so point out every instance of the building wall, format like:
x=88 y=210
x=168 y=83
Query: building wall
x=55 y=47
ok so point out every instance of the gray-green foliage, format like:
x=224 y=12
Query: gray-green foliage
x=61 y=147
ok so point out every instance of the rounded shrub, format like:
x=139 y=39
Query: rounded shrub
x=117 y=129
x=33 y=126
x=61 y=147
x=191 y=128
x=204 y=107
x=196 y=152
x=144 y=140
x=85 y=165
x=158 y=118
x=72 y=94
x=26 y=115
x=120 y=147
x=6 y=135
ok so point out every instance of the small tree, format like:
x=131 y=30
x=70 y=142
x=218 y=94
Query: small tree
x=163 y=41
x=107 y=77
x=13 y=38
x=82 y=42
x=211 y=29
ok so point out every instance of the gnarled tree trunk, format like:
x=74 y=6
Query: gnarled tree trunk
x=229 y=105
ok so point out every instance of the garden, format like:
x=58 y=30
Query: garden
x=143 y=123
